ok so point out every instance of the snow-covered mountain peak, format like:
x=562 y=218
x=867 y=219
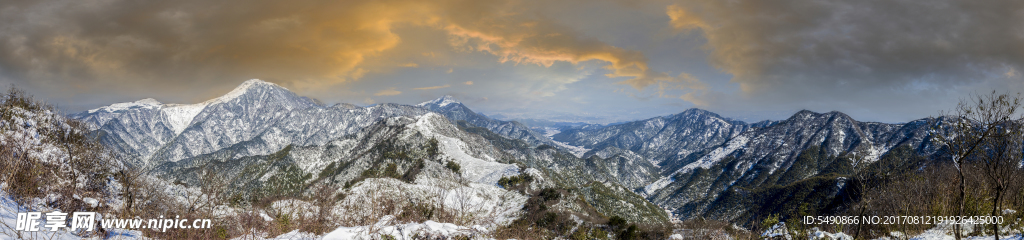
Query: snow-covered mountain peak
x=804 y=114
x=440 y=102
x=246 y=86
x=148 y=103
x=697 y=111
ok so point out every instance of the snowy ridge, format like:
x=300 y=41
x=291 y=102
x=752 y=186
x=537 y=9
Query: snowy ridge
x=181 y=115
x=147 y=103
x=162 y=131
x=659 y=139
x=473 y=168
x=440 y=102
x=760 y=152
x=455 y=111
x=240 y=90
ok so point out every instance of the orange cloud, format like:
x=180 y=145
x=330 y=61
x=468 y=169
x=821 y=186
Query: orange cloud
x=542 y=44
x=433 y=87
x=388 y=92
x=683 y=19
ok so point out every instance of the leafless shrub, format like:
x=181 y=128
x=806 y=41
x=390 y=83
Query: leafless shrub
x=61 y=166
x=250 y=226
x=324 y=197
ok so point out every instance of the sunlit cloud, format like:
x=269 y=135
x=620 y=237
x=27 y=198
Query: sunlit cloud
x=433 y=87
x=388 y=92
x=540 y=44
x=306 y=44
x=682 y=19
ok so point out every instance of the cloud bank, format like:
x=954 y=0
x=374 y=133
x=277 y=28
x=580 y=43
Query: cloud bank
x=302 y=44
x=905 y=53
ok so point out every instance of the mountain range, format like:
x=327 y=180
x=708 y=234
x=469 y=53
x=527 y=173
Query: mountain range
x=691 y=164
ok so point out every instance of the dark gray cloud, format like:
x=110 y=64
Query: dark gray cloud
x=891 y=56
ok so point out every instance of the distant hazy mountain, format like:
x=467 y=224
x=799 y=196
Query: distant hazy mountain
x=661 y=138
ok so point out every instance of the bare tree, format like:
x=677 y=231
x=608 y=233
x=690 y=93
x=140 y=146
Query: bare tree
x=324 y=196
x=988 y=129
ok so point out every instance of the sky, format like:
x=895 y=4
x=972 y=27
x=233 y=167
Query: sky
x=597 y=60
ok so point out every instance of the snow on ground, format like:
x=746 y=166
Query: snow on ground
x=575 y=150
x=657 y=185
x=9 y=210
x=488 y=204
x=23 y=132
x=486 y=207
x=778 y=230
x=296 y=234
x=815 y=233
x=294 y=208
x=717 y=154
x=874 y=154
x=386 y=226
x=473 y=168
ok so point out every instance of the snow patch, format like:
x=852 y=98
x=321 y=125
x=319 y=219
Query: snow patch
x=474 y=169
x=385 y=227
x=655 y=186
x=179 y=116
x=575 y=150
x=779 y=230
x=717 y=154
x=874 y=154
